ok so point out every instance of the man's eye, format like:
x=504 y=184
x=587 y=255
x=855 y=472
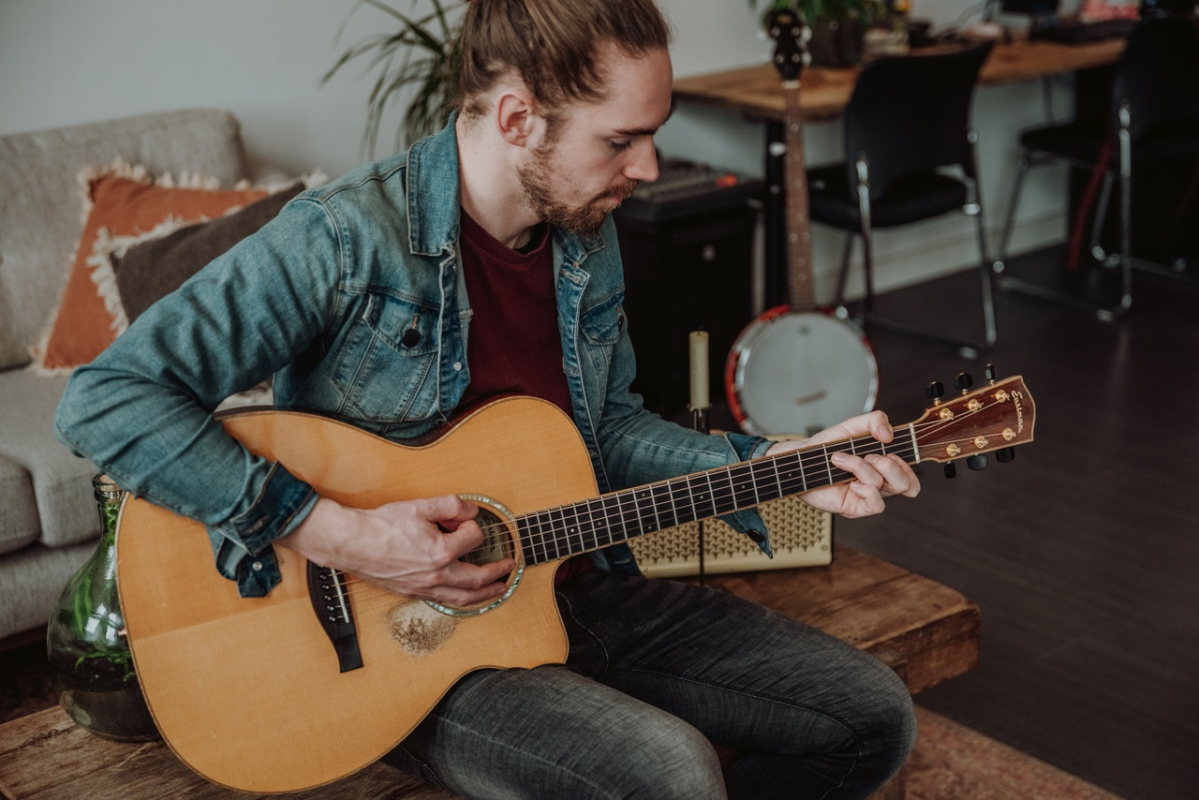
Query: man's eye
x=621 y=144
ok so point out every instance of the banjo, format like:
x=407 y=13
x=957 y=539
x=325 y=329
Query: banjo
x=795 y=369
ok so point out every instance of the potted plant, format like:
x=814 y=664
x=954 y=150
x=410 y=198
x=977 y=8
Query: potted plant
x=838 y=26
x=415 y=61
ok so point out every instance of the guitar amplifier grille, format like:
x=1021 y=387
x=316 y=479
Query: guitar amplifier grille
x=802 y=536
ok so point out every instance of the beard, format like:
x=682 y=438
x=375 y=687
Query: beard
x=537 y=181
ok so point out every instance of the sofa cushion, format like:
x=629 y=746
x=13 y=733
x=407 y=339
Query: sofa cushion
x=40 y=222
x=61 y=481
x=33 y=579
x=124 y=203
x=151 y=267
x=20 y=525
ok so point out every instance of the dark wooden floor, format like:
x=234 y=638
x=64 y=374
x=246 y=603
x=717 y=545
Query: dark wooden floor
x=1082 y=553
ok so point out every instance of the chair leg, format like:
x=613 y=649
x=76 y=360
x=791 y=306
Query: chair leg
x=985 y=275
x=842 y=278
x=1105 y=197
x=1005 y=234
x=863 y=173
x=1124 y=138
x=1009 y=282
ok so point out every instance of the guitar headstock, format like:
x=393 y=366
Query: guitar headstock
x=790 y=36
x=996 y=416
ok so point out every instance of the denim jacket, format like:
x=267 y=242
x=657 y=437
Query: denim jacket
x=325 y=297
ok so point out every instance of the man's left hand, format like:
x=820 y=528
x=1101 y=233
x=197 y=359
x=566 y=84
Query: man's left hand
x=875 y=476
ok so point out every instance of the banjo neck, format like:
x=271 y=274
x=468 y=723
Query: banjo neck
x=800 y=280
x=790 y=55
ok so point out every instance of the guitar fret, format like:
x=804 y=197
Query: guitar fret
x=723 y=500
x=711 y=494
x=638 y=510
x=661 y=496
x=625 y=509
x=740 y=496
x=559 y=524
x=588 y=536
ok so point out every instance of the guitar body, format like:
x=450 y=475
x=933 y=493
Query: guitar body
x=798 y=372
x=248 y=692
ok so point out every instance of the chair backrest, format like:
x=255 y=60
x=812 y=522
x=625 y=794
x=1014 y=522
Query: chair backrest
x=1158 y=74
x=912 y=114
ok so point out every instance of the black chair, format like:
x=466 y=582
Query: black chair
x=1152 y=124
x=910 y=157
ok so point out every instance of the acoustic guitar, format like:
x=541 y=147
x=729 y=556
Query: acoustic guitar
x=796 y=369
x=327 y=673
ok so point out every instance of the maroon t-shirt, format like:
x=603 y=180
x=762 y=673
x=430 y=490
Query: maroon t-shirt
x=514 y=345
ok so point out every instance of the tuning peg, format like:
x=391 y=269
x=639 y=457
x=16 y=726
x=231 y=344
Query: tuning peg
x=951 y=469
x=1005 y=455
x=977 y=462
x=963 y=382
x=990 y=369
x=935 y=391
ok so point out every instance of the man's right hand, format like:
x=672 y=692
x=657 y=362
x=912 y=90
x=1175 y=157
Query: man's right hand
x=411 y=548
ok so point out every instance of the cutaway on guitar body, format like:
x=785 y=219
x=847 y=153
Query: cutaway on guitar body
x=251 y=692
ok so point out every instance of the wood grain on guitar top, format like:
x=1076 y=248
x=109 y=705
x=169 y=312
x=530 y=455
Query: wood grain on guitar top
x=230 y=680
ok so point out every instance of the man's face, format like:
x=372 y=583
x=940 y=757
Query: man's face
x=599 y=151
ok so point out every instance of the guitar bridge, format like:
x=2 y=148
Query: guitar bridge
x=331 y=604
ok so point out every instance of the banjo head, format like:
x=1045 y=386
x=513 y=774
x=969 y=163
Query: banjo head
x=798 y=373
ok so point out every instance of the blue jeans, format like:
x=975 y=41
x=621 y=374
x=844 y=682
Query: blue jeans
x=658 y=671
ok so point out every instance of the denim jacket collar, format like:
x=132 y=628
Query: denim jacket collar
x=433 y=206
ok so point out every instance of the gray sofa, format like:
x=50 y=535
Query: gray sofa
x=48 y=519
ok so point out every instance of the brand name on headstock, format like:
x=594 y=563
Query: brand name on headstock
x=1017 y=400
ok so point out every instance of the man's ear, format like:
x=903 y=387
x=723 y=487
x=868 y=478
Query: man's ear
x=516 y=117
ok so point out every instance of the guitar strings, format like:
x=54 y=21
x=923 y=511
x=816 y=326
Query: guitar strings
x=542 y=529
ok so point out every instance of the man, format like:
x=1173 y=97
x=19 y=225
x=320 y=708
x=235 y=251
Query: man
x=483 y=261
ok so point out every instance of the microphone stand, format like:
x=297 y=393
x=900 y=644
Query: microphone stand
x=699 y=406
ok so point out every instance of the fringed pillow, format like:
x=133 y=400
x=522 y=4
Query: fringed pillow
x=120 y=204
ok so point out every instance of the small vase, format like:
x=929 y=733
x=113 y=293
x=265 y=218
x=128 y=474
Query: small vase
x=89 y=657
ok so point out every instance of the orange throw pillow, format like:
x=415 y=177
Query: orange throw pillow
x=123 y=202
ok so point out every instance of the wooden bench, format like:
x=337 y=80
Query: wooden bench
x=927 y=632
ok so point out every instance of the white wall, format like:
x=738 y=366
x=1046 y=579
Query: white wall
x=71 y=61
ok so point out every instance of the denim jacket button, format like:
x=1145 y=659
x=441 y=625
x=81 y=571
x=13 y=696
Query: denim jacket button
x=256 y=566
x=457 y=366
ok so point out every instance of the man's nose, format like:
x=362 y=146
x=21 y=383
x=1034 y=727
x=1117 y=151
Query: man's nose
x=644 y=163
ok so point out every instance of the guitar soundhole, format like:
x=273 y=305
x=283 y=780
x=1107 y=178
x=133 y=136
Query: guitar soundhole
x=499 y=541
x=497 y=544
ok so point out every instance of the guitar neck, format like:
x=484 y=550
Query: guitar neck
x=568 y=530
x=800 y=280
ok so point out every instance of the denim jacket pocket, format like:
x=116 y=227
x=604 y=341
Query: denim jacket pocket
x=601 y=323
x=601 y=326
x=387 y=371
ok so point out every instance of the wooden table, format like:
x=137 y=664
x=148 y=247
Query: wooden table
x=927 y=632
x=757 y=91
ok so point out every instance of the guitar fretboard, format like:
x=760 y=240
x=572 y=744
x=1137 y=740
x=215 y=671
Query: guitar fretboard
x=560 y=532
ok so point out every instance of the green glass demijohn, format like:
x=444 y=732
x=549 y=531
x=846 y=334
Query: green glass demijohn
x=89 y=657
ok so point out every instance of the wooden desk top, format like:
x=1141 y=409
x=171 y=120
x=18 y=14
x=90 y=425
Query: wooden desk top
x=757 y=92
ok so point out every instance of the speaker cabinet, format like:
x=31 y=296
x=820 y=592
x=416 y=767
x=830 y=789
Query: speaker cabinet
x=688 y=273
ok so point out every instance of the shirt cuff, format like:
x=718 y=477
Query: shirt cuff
x=243 y=547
